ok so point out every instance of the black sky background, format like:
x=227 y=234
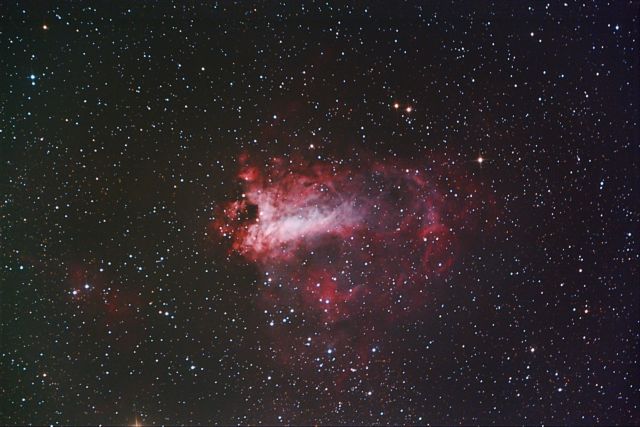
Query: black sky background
x=121 y=128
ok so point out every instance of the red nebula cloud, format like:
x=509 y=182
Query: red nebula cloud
x=346 y=242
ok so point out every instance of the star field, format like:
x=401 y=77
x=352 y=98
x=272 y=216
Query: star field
x=318 y=213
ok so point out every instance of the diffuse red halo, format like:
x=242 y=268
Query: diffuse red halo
x=343 y=240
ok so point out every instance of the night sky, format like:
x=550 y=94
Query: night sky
x=312 y=213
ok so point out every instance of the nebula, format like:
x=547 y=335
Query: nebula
x=345 y=242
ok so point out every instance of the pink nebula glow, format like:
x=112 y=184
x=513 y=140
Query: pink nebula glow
x=344 y=241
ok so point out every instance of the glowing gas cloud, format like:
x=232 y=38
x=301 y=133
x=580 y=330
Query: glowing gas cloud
x=346 y=241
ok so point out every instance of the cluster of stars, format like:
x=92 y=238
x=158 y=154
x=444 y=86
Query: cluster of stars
x=454 y=246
